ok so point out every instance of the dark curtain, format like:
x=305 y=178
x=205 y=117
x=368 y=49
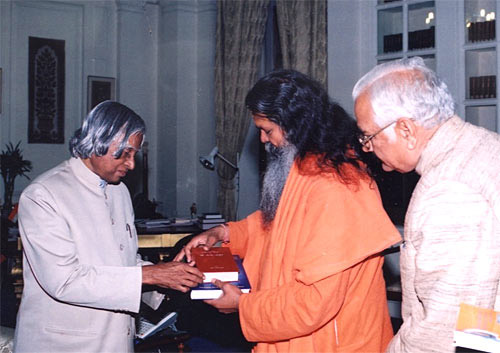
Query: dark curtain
x=302 y=26
x=240 y=33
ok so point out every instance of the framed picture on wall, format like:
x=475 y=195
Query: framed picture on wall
x=46 y=90
x=99 y=89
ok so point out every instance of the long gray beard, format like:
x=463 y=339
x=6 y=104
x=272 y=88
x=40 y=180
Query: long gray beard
x=279 y=163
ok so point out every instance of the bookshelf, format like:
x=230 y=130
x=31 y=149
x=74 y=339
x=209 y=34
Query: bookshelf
x=480 y=62
x=405 y=29
x=458 y=39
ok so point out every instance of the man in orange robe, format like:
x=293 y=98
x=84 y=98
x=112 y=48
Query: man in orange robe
x=313 y=257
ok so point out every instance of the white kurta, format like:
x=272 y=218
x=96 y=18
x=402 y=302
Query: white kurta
x=81 y=281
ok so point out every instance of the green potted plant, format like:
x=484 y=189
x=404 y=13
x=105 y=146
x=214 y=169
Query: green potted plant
x=12 y=165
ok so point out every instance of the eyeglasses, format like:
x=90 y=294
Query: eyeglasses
x=364 y=139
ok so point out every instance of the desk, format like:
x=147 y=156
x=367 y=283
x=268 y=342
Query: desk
x=158 y=243
x=11 y=273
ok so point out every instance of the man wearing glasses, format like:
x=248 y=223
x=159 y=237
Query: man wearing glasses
x=451 y=248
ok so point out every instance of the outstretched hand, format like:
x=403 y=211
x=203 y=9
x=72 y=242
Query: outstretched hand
x=174 y=275
x=206 y=240
x=228 y=302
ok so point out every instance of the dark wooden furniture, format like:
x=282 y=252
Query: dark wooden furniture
x=163 y=342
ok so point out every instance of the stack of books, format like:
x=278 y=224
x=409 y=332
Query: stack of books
x=218 y=263
x=421 y=39
x=479 y=31
x=210 y=220
x=152 y=223
x=481 y=87
x=393 y=42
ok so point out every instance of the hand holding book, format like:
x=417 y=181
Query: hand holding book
x=216 y=263
x=174 y=275
x=230 y=299
x=211 y=291
x=206 y=240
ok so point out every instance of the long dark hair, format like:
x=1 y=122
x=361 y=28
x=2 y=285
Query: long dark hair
x=310 y=120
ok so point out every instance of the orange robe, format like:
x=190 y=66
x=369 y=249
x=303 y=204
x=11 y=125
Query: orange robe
x=316 y=275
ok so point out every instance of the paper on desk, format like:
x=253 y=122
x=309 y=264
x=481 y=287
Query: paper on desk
x=184 y=221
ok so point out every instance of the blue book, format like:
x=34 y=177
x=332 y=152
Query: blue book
x=210 y=291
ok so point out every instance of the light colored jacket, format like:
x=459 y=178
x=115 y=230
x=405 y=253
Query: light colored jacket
x=81 y=281
x=451 y=249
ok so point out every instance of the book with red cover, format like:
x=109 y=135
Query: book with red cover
x=210 y=291
x=216 y=263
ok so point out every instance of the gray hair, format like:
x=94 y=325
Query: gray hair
x=406 y=88
x=104 y=124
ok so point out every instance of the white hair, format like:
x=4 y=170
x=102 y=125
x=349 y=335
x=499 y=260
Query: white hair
x=406 y=88
x=109 y=121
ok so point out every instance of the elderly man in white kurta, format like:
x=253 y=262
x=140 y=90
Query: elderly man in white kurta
x=82 y=274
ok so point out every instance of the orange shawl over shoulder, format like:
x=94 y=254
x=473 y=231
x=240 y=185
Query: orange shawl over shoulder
x=316 y=274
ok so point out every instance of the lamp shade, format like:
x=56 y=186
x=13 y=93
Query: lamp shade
x=208 y=161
